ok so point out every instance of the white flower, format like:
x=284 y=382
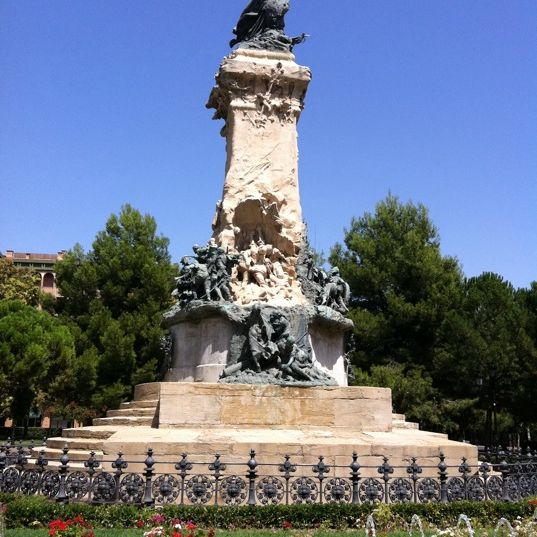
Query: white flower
x=155 y=532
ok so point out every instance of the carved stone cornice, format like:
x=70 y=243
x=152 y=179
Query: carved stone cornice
x=260 y=86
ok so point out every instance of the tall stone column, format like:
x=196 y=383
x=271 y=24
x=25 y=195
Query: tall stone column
x=253 y=307
x=260 y=96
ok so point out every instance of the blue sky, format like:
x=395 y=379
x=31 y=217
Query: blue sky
x=102 y=103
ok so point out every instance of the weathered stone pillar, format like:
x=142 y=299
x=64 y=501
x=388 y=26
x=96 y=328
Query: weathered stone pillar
x=280 y=321
x=260 y=95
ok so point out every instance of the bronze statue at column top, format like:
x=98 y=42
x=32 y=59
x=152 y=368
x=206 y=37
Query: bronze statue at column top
x=262 y=26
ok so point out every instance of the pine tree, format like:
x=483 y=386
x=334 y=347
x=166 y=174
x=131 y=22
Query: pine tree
x=402 y=286
x=113 y=296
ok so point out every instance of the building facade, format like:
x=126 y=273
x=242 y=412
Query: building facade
x=43 y=264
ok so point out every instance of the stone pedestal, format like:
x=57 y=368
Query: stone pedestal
x=207 y=338
x=203 y=419
x=200 y=350
x=243 y=406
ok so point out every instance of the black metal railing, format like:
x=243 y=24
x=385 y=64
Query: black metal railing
x=499 y=475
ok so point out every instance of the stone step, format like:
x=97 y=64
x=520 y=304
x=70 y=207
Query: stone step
x=95 y=433
x=134 y=412
x=150 y=403
x=75 y=455
x=399 y=417
x=86 y=444
x=55 y=464
x=401 y=424
x=147 y=392
x=125 y=421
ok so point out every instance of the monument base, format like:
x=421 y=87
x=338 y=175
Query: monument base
x=203 y=419
x=209 y=336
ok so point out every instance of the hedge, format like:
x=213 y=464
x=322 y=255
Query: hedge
x=23 y=512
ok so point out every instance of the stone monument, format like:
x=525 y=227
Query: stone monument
x=252 y=306
x=258 y=332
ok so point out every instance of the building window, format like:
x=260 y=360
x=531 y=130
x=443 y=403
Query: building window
x=48 y=280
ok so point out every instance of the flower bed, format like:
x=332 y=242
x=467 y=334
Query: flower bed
x=25 y=512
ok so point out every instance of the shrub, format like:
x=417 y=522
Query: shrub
x=25 y=511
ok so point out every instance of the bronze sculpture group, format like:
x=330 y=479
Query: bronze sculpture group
x=206 y=275
x=273 y=354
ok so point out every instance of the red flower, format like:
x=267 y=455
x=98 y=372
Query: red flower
x=190 y=525
x=287 y=525
x=211 y=533
x=139 y=523
x=533 y=503
x=158 y=519
x=57 y=525
x=176 y=534
x=76 y=527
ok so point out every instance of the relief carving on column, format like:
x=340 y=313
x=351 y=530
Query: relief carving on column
x=264 y=93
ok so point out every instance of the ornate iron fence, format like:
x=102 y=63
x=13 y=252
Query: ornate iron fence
x=500 y=475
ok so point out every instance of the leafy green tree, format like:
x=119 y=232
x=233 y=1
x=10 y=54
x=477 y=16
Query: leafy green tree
x=486 y=352
x=113 y=297
x=403 y=290
x=527 y=298
x=5 y=396
x=401 y=284
x=39 y=363
x=410 y=388
x=18 y=283
x=458 y=354
x=414 y=395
